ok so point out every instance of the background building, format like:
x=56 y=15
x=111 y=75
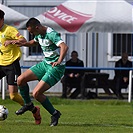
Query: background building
x=95 y=49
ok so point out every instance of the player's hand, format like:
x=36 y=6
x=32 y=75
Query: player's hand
x=55 y=63
x=19 y=44
x=7 y=43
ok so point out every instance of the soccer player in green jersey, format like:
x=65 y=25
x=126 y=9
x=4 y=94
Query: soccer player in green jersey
x=48 y=72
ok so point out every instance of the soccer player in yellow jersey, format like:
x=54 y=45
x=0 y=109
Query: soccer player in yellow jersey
x=10 y=55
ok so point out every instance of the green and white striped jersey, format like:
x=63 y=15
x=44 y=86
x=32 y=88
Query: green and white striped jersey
x=49 y=43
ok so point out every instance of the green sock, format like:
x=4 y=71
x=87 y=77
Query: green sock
x=48 y=106
x=24 y=91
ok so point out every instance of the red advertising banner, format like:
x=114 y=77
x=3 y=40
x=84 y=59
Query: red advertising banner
x=68 y=19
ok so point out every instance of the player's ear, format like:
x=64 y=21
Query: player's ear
x=37 y=27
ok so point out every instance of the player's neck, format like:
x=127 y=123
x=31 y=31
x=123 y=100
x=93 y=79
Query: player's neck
x=43 y=30
x=1 y=27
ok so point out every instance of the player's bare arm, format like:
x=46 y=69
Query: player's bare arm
x=28 y=44
x=63 y=51
x=18 y=41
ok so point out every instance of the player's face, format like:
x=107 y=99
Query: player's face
x=33 y=30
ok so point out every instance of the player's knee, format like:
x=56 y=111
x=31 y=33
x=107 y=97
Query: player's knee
x=19 y=81
x=35 y=95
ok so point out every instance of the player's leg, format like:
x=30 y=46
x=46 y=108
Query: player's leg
x=22 y=80
x=43 y=72
x=34 y=73
x=12 y=72
x=23 y=86
x=51 y=77
x=39 y=96
x=24 y=91
x=14 y=95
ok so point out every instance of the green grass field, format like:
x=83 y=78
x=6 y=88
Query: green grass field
x=78 y=116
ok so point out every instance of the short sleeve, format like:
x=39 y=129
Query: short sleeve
x=55 y=38
x=36 y=39
x=14 y=33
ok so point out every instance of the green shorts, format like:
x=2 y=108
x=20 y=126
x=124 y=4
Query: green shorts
x=47 y=73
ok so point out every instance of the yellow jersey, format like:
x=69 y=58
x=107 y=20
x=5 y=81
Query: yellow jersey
x=11 y=52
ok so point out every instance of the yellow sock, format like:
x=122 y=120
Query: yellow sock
x=17 y=98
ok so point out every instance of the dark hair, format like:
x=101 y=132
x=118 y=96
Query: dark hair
x=74 y=52
x=2 y=14
x=32 y=22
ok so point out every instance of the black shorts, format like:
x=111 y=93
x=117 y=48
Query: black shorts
x=11 y=72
